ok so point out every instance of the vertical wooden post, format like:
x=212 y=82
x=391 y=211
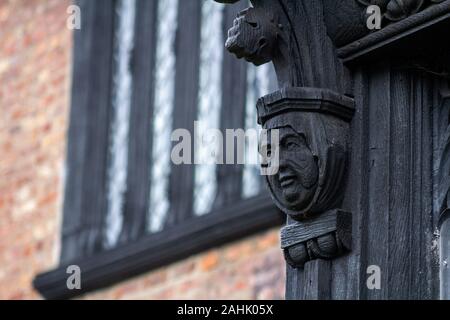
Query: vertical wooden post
x=379 y=180
x=313 y=283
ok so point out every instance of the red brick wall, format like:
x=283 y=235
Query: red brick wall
x=34 y=72
x=252 y=268
x=35 y=53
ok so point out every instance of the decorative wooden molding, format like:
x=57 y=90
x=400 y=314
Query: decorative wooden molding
x=324 y=237
x=305 y=99
x=413 y=35
x=346 y=20
x=395 y=10
x=311 y=116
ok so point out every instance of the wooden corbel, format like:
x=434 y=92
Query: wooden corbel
x=312 y=111
x=313 y=127
x=329 y=61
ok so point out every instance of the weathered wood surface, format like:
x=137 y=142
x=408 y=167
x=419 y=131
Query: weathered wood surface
x=85 y=192
x=330 y=221
x=395 y=150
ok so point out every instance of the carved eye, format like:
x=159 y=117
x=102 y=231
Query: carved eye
x=253 y=24
x=303 y=163
x=291 y=145
x=262 y=42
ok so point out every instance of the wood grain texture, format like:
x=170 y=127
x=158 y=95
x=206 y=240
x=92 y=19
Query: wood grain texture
x=400 y=35
x=140 y=142
x=326 y=236
x=312 y=283
x=85 y=192
x=392 y=175
x=187 y=51
x=327 y=222
x=234 y=90
x=395 y=220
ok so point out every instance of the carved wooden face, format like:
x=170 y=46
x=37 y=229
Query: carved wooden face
x=296 y=182
x=252 y=36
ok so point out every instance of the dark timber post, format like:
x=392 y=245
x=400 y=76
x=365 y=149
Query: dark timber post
x=363 y=123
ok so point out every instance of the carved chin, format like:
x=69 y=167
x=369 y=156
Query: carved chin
x=296 y=197
x=232 y=43
x=235 y=46
x=291 y=195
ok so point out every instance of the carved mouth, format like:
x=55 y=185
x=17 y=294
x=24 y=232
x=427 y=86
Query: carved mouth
x=287 y=181
x=232 y=40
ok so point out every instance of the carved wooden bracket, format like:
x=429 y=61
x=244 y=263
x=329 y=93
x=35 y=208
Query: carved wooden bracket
x=312 y=120
x=324 y=237
x=313 y=127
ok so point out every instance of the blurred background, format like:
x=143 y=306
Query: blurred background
x=85 y=144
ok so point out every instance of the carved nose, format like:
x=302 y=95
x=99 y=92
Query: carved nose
x=283 y=169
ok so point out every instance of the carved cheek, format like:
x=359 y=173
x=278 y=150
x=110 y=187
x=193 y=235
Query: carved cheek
x=274 y=183
x=241 y=40
x=234 y=34
x=309 y=171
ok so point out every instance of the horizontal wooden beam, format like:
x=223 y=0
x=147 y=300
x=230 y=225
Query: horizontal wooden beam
x=160 y=249
x=324 y=237
x=404 y=37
